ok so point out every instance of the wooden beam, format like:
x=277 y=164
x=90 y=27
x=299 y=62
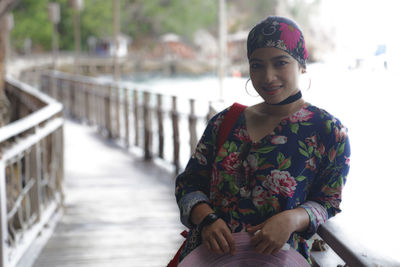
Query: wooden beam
x=346 y=246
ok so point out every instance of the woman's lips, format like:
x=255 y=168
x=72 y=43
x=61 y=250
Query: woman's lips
x=272 y=90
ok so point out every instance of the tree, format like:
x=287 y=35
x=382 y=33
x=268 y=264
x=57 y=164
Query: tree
x=139 y=19
x=5 y=7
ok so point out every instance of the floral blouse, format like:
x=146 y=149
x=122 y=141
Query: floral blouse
x=303 y=163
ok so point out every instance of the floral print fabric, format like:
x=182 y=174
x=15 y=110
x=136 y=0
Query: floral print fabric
x=278 y=32
x=303 y=163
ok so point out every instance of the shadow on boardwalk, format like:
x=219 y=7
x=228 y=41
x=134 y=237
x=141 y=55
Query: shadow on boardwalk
x=119 y=210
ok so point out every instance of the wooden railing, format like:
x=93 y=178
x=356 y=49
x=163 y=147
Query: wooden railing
x=31 y=169
x=153 y=122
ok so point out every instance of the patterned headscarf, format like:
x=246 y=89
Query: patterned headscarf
x=278 y=32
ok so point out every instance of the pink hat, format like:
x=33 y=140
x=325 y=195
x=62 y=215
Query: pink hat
x=244 y=256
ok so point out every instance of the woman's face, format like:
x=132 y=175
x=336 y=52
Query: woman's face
x=274 y=74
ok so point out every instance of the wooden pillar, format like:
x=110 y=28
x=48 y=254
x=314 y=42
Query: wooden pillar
x=60 y=169
x=211 y=111
x=28 y=178
x=175 y=132
x=160 y=126
x=147 y=126
x=87 y=102
x=126 y=109
x=37 y=176
x=136 y=116
x=3 y=216
x=192 y=127
x=107 y=110
x=118 y=111
x=91 y=104
x=58 y=90
x=99 y=91
x=72 y=98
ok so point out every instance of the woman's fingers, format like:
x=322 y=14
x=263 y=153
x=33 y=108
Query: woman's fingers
x=223 y=244
x=231 y=242
x=215 y=246
x=265 y=243
x=218 y=238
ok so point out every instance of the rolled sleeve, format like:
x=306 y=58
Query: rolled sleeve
x=318 y=215
x=187 y=203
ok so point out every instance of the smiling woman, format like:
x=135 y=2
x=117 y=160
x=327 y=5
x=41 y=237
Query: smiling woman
x=291 y=157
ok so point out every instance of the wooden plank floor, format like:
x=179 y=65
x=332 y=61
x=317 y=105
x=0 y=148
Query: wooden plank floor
x=119 y=210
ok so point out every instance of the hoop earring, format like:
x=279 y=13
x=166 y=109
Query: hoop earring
x=245 y=87
x=309 y=83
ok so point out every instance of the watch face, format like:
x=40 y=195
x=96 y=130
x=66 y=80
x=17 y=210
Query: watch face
x=213 y=216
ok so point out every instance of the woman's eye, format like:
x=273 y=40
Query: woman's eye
x=281 y=63
x=255 y=66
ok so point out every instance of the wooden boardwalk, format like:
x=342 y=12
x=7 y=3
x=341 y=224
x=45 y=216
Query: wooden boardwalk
x=119 y=210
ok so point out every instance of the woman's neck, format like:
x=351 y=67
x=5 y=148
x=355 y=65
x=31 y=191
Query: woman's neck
x=265 y=109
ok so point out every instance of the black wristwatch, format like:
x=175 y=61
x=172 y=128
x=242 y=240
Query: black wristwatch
x=209 y=219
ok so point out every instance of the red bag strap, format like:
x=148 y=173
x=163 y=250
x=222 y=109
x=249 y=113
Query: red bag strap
x=175 y=260
x=225 y=128
x=227 y=123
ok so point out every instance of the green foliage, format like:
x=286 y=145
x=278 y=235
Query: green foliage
x=139 y=19
x=152 y=18
x=31 y=21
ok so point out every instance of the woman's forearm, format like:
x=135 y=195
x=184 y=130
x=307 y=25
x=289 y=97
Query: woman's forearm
x=298 y=218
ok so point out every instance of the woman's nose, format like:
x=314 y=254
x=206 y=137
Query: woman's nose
x=270 y=75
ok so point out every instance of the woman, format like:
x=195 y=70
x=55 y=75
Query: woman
x=281 y=170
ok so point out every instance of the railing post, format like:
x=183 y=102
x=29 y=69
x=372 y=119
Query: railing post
x=160 y=126
x=53 y=87
x=60 y=176
x=147 y=126
x=100 y=91
x=64 y=96
x=211 y=111
x=58 y=89
x=81 y=102
x=136 y=116
x=93 y=101
x=192 y=127
x=118 y=110
x=3 y=216
x=37 y=173
x=87 y=102
x=72 y=98
x=175 y=131
x=126 y=109
x=107 y=110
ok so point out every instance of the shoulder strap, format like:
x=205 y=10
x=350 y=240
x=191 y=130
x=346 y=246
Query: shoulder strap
x=227 y=123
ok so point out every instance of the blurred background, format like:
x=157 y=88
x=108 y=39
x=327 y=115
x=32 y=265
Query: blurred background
x=196 y=49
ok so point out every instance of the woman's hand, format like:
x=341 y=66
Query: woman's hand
x=217 y=237
x=274 y=232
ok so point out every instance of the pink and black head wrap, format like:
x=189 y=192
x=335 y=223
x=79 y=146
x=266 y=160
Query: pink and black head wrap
x=278 y=32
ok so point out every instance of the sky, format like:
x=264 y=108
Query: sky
x=363 y=24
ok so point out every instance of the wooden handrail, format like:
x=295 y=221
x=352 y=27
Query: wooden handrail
x=112 y=110
x=23 y=124
x=346 y=246
x=31 y=169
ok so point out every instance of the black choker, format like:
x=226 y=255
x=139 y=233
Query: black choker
x=289 y=100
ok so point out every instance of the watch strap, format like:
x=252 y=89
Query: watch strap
x=209 y=219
